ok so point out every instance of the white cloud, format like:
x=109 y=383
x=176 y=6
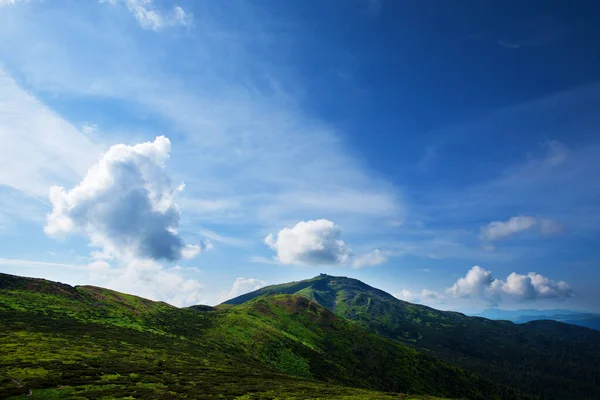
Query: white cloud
x=497 y=230
x=241 y=286
x=317 y=242
x=480 y=284
x=148 y=279
x=474 y=284
x=547 y=288
x=124 y=205
x=150 y=17
x=192 y=250
x=310 y=243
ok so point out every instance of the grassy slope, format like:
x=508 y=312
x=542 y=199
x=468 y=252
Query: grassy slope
x=87 y=342
x=318 y=344
x=546 y=358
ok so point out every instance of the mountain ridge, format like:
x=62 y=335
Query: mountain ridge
x=523 y=356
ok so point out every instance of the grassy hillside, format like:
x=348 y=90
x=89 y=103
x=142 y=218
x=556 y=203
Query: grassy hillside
x=545 y=358
x=58 y=341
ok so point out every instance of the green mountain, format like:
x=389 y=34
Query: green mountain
x=59 y=341
x=544 y=358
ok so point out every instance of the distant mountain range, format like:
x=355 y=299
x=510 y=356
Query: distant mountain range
x=588 y=320
x=327 y=337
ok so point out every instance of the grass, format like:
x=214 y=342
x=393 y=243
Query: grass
x=58 y=341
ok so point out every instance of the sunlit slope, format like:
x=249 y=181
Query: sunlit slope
x=59 y=341
x=546 y=358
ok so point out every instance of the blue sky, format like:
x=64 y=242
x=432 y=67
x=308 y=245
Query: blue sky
x=400 y=143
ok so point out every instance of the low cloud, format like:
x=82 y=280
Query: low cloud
x=318 y=242
x=405 y=295
x=124 y=205
x=479 y=283
x=149 y=279
x=241 y=286
x=426 y=296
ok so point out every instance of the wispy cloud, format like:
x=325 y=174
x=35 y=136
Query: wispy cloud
x=39 y=147
x=498 y=230
x=258 y=158
x=11 y=2
x=429 y=158
x=33 y=263
x=508 y=44
x=264 y=260
x=151 y=17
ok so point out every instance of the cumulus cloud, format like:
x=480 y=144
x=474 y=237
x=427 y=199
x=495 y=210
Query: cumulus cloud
x=498 y=230
x=474 y=284
x=479 y=283
x=310 y=243
x=241 y=286
x=318 y=242
x=125 y=205
x=150 y=17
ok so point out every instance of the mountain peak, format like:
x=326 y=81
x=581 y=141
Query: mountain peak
x=328 y=290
